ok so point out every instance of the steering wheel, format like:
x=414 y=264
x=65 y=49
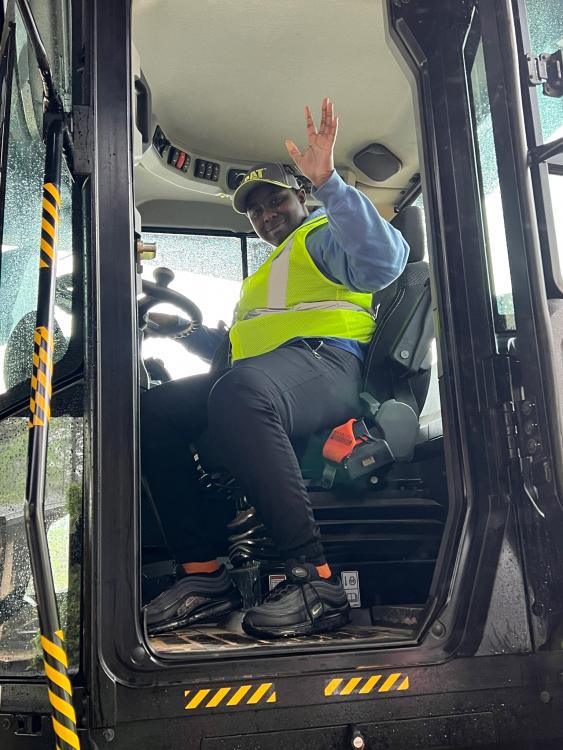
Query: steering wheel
x=161 y=324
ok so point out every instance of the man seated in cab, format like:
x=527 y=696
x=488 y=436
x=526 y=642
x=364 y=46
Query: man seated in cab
x=297 y=344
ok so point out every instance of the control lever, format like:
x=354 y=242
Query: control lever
x=163 y=276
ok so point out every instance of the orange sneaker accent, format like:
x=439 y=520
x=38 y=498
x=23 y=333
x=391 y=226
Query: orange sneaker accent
x=324 y=571
x=210 y=566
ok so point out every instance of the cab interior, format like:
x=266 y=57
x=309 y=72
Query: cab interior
x=217 y=88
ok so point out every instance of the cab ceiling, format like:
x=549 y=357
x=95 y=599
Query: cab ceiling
x=229 y=79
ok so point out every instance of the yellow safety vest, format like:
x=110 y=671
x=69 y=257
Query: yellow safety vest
x=288 y=297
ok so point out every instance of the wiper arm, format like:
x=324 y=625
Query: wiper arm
x=52 y=100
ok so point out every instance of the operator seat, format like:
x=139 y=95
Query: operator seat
x=396 y=369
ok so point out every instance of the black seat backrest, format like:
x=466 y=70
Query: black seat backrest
x=398 y=360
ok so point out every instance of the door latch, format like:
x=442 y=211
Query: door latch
x=546 y=70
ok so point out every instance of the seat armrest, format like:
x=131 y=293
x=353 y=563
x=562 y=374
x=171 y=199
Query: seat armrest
x=399 y=426
x=391 y=438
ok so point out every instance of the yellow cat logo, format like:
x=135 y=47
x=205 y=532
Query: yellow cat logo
x=256 y=174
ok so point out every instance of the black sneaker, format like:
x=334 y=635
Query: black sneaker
x=195 y=598
x=303 y=604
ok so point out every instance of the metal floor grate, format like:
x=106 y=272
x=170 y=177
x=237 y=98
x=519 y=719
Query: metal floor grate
x=229 y=636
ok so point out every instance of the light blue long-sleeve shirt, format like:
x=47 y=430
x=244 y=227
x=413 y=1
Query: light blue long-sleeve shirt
x=357 y=248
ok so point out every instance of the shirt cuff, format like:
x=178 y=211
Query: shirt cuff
x=333 y=189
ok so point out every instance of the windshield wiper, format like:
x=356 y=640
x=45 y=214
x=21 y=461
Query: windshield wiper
x=53 y=106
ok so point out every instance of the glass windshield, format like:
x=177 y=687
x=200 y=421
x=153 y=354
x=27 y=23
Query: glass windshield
x=22 y=234
x=207 y=270
x=258 y=252
x=20 y=651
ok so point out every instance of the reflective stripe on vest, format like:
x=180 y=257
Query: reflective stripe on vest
x=288 y=297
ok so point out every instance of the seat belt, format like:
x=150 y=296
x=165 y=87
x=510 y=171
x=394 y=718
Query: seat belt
x=402 y=391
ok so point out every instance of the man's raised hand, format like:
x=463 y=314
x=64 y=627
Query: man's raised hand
x=317 y=163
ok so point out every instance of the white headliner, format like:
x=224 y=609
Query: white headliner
x=229 y=79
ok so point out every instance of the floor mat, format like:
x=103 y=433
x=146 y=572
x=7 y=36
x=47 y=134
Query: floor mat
x=228 y=636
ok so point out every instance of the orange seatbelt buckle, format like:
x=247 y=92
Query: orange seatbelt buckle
x=341 y=442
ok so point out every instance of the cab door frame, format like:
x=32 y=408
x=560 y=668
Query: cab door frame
x=118 y=660
x=535 y=361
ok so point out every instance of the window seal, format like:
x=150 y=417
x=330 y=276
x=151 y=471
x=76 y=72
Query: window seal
x=6 y=74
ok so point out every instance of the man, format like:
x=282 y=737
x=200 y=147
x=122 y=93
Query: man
x=297 y=344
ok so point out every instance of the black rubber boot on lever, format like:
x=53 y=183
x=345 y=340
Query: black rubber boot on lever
x=245 y=520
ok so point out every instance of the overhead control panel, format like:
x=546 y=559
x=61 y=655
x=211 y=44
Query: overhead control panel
x=207 y=170
x=180 y=160
x=173 y=156
x=173 y=164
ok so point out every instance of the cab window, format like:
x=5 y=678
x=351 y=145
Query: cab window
x=545 y=24
x=258 y=252
x=22 y=232
x=491 y=202
x=19 y=273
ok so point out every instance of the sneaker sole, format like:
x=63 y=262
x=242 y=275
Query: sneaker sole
x=324 y=625
x=209 y=613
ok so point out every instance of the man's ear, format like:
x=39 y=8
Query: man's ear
x=302 y=196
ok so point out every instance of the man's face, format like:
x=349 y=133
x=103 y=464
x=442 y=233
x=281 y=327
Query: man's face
x=275 y=212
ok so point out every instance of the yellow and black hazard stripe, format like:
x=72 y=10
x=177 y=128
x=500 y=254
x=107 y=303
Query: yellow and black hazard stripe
x=49 y=225
x=60 y=691
x=41 y=388
x=227 y=697
x=375 y=683
x=43 y=345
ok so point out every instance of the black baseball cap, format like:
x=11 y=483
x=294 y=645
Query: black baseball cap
x=271 y=174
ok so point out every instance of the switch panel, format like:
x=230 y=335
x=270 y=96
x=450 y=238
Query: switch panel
x=172 y=155
x=207 y=170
